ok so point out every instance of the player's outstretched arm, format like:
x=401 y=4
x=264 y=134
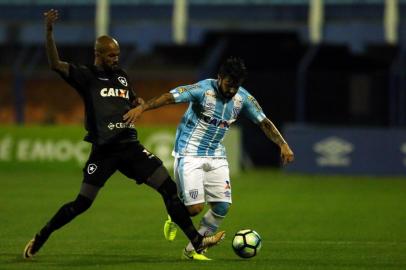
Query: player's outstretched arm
x=273 y=134
x=134 y=114
x=53 y=57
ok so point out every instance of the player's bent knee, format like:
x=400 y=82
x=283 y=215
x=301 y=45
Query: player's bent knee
x=168 y=189
x=89 y=191
x=81 y=204
x=158 y=177
x=220 y=208
x=195 y=209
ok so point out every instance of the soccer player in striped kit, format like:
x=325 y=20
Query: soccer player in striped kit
x=201 y=167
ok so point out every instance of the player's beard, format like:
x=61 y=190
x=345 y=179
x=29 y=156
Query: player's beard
x=226 y=96
x=115 y=67
x=111 y=68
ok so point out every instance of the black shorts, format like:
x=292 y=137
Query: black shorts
x=131 y=159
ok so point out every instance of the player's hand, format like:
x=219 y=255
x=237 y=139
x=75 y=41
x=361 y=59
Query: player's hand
x=133 y=115
x=287 y=155
x=50 y=17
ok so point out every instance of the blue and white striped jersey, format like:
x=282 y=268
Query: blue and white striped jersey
x=209 y=116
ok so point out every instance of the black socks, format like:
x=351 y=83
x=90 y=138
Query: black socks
x=65 y=214
x=178 y=212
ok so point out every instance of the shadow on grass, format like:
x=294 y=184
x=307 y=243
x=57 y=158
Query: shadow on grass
x=345 y=264
x=80 y=260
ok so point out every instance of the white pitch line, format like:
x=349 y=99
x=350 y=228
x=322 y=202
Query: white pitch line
x=339 y=242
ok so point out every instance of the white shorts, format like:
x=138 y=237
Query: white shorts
x=202 y=179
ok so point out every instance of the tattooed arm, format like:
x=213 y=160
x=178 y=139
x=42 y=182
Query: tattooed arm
x=157 y=102
x=132 y=115
x=272 y=132
x=274 y=135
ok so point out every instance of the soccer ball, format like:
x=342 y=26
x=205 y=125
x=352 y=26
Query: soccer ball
x=247 y=243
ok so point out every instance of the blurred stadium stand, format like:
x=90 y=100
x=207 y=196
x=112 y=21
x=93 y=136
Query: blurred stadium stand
x=352 y=78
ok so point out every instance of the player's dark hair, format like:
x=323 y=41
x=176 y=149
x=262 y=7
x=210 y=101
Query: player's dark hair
x=234 y=68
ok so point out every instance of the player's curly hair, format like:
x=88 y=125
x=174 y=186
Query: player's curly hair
x=234 y=68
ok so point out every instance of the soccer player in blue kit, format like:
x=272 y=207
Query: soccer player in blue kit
x=201 y=167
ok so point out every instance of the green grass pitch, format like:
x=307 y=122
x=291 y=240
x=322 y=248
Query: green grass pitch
x=306 y=222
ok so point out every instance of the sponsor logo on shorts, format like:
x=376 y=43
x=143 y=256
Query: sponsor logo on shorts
x=149 y=154
x=193 y=193
x=91 y=168
x=120 y=125
x=228 y=185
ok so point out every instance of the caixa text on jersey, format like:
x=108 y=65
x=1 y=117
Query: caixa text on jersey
x=114 y=92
